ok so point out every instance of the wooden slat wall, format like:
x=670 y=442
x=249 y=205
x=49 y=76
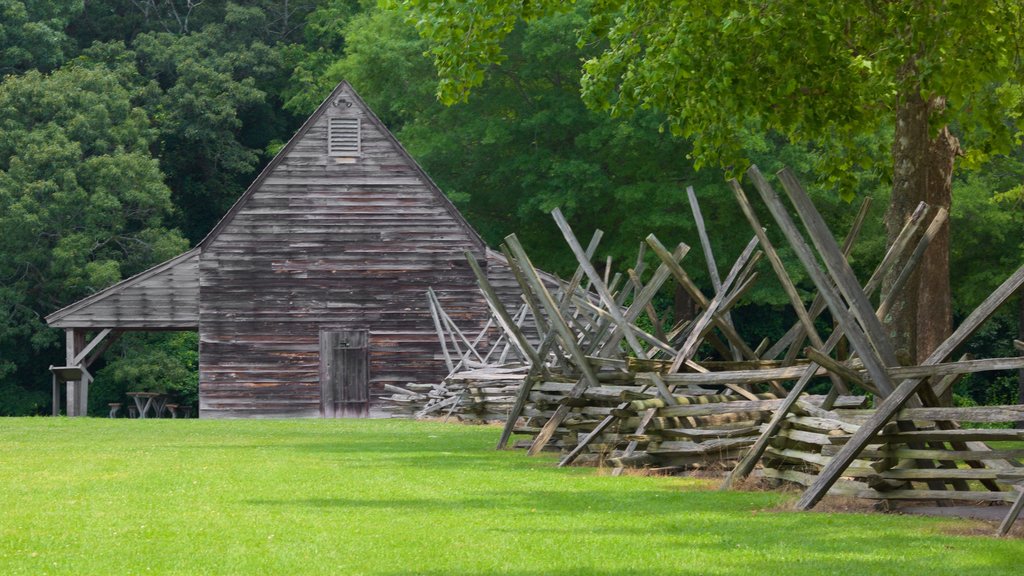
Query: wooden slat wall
x=165 y=297
x=327 y=242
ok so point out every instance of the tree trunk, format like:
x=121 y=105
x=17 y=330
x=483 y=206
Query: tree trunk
x=922 y=171
x=683 y=307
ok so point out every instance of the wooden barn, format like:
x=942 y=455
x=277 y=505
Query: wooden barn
x=309 y=294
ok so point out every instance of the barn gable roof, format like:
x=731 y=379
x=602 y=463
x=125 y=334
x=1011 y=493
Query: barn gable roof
x=343 y=89
x=164 y=297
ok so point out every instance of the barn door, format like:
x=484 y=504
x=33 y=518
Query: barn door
x=344 y=377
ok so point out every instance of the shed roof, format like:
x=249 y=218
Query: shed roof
x=165 y=297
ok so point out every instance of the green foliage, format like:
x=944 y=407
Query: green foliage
x=32 y=33
x=82 y=202
x=819 y=72
x=158 y=362
x=212 y=81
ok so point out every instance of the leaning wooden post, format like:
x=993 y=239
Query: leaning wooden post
x=511 y=328
x=895 y=401
x=596 y=282
x=780 y=272
x=684 y=280
x=839 y=269
x=747 y=463
x=824 y=285
x=689 y=347
x=432 y=300
x=568 y=342
x=648 y=291
x=709 y=258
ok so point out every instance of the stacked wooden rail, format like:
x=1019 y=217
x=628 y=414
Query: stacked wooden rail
x=602 y=389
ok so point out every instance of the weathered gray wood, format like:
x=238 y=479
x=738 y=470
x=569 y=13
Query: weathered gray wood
x=709 y=258
x=660 y=275
x=987 y=414
x=641 y=299
x=597 y=283
x=568 y=340
x=839 y=270
x=744 y=467
x=344 y=377
x=684 y=280
x=440 y=331
x=80 y=356
x=689 y=347
x=892 y=404
x=165 y=296
x=962 y=435
x=780 y=272
x=1011 y=515
x=512 y=329
x=892 y=256
x=733 y=376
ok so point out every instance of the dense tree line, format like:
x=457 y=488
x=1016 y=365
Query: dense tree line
x=128 y=127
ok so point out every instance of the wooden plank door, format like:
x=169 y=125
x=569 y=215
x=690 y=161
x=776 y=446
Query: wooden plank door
x=344 y=374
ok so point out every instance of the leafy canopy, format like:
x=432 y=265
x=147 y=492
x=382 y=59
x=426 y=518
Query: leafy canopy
x=819 y=72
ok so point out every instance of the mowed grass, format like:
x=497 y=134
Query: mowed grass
x=97 y=496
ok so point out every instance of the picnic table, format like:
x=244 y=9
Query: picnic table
x=145 y=401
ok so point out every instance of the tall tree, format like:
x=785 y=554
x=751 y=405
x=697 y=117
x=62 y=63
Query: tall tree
x=820 y=72
x=82 y=205
x=32 y=33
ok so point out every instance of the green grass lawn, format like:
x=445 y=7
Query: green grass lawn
x=97 y=496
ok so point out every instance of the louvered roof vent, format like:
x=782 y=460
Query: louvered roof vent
x=343 y=136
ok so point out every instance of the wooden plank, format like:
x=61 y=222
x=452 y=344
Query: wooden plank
x=870 y=341
x=987 y=414
x=684 y=280
x=892 y=404
x=565 y=334
x=689 y=347
x=747 y=463
x=597 y=283
x=1011 y=515
x=709 y=258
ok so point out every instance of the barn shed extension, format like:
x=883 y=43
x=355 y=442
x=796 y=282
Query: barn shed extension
x=309 y=295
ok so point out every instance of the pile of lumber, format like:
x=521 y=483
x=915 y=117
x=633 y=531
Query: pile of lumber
x=478 y=395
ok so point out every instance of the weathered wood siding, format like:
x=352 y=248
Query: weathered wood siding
x=163 y=297
x=320 y=242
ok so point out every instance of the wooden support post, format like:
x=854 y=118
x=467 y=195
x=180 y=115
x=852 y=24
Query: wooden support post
x=684 y=280
x=892 y=404
x=432 y=301
x=780 y=272
x=709 y=257
x=660 y=275
x=511 y=328
x=56 y=395
x=77 y=391
x=840 y=272
x=567 y=338
x=1011 y=516
x=823 y=283
x=597 y=283
x=746 y=465
x=689 y=347
x=880 y=352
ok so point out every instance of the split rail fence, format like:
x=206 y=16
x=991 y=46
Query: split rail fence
x=589 y=368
